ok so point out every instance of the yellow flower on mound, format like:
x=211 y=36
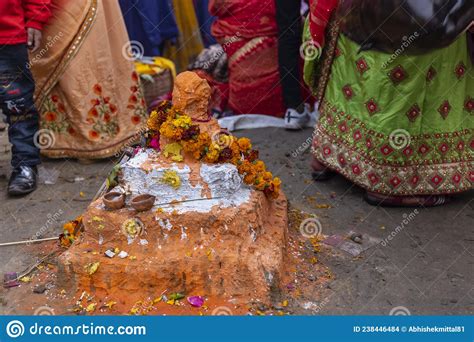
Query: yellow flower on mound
x=182 y=121
x=197 y=145
x=92 y=267
x=153 y=122
x=173 y=150
x=171 y=178
x=185 y=135
x=212 y=154
x=170 y=131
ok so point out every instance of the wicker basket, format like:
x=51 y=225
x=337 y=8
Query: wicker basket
x=161 y=85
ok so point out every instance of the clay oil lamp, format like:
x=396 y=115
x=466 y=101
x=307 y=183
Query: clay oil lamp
x=114 y=200
x=143 y=202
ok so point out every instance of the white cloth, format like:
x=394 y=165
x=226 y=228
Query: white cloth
x=251 y=121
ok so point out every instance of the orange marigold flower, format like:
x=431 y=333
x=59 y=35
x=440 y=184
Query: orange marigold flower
x=152 y=122
x=249 y=178
x=259 y=166
x=69 y=227
x=197 y=154
x=169 y=131
x=244 y=167
x=244 y=144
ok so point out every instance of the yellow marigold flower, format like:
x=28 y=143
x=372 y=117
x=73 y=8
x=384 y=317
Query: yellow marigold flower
x=182 y=121
x=170 y=131
x=212 y=155
x=260 y=184
x=260 y=166
x=173 y=150
x=277 y=181
x=267 y=176
x=171 y=178
x=152 y=121
x=215 y=146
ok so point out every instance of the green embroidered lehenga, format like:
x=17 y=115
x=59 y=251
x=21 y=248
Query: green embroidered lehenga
x=395 y=124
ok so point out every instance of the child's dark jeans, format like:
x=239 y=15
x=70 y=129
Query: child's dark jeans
x=16 y=101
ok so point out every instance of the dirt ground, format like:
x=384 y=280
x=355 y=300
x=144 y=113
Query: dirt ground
x=427 y=268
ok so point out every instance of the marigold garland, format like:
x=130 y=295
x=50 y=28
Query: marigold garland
x=221 y=148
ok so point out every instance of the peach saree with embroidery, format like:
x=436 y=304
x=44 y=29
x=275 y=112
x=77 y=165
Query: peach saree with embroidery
x=87 y=91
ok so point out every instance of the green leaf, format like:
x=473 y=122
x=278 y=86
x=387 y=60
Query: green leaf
x=176 y=296
x=112 y=179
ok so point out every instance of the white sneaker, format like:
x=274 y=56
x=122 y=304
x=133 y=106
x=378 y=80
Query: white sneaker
x=295 y=120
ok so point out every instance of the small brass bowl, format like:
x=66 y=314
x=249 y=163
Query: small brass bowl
x=143 y=202
x=114 y=200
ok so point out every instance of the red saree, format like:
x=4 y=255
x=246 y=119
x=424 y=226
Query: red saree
x=247 y=30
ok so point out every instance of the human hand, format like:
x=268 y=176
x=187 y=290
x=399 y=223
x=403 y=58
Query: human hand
x=34 y=38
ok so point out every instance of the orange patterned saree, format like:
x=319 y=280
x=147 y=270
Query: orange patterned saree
x=87 y=91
